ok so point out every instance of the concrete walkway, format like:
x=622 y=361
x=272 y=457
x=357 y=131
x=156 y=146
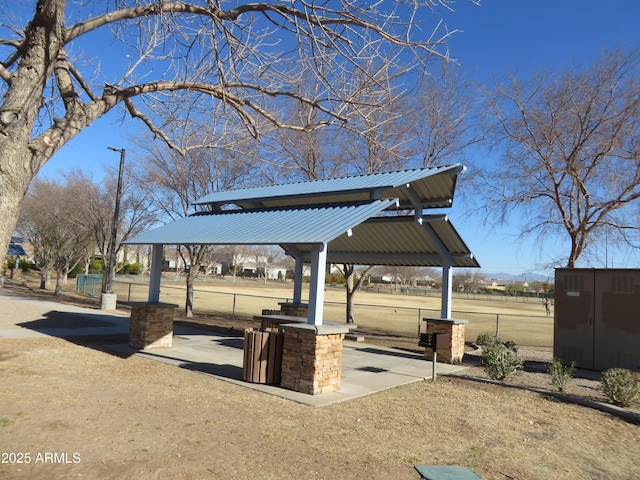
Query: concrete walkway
x=367 y=369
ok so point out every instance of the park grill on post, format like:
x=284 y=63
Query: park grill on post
x=434 y=341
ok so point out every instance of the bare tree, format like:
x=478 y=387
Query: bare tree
x=443 y=117
x=469 y=280
x=175 y=181
x=180 y=60
x=265 y=257
x=230 y=256
x=570 y=152
x=291 y=155
x=93 y=207
x=46 y=221
x=411 y=129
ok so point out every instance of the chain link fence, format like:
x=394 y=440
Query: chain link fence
x=523 y=329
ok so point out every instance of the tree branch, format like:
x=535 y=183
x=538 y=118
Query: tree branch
x=135 y=113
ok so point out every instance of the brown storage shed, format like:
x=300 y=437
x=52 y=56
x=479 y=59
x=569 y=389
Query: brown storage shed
x=597 y=318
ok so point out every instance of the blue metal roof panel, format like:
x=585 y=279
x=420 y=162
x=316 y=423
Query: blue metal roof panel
x=302 y=225
x=351 y=188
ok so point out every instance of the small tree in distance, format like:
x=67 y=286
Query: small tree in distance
x=47 y=223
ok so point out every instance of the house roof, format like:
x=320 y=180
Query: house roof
x=432 y=187
x=16 y=250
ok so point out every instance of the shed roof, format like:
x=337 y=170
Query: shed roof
x=433 y=187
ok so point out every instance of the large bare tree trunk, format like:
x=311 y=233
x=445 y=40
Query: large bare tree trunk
x=20 y=157
x=45 y=278
x=12 y=190
x=60 y=280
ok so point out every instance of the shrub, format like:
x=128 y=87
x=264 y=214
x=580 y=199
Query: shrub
x=560 y=373
x=131 y=269
x=95 y=266
x=500 y=361
x=511 y=345
x=486 y=339
x=334 y=278
x=621 y=386
x=135 y=269
x=25 y=265
x=77 y=270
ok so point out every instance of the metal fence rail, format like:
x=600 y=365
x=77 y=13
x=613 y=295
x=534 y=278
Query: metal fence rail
x=521 y=297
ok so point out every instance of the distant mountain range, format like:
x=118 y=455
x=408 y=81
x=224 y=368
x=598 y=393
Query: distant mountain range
x=529 y=277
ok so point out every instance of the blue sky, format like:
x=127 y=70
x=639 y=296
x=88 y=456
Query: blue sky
x=501 y=36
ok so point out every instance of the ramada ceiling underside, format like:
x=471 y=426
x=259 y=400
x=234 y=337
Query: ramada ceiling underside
x=397 y=241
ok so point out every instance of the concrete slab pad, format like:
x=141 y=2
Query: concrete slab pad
x=367 y=369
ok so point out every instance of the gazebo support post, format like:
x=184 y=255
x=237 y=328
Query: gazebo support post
x=296 y=308
x=156 y=274
x=452 y=349
x=316 y=284
x=297 y=280
x=151 y=322
x=447 y=280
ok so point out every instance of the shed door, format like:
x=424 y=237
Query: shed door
x=617 y=319
x=573 y=336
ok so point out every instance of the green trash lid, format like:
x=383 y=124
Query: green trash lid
x=441 y=472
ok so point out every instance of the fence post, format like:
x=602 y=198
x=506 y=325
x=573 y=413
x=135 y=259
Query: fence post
x=129 y=296
x=498 y=325
x=233 y=312
x=419 y=321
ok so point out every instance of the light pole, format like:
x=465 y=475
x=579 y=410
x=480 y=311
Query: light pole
x=108 y=299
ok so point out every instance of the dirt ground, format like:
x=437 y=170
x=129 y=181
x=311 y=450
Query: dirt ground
x=78 y=411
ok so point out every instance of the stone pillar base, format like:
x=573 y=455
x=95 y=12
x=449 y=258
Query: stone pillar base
x=294 y=309
x=312 y=358
x=453 y=351
x=151 y=325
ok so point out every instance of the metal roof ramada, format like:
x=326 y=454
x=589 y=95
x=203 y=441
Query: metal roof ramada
x=434 y=186
x=292 y=225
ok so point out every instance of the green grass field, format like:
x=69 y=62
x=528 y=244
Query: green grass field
x=397 y=314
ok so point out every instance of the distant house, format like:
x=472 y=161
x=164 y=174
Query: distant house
x=260 y=266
